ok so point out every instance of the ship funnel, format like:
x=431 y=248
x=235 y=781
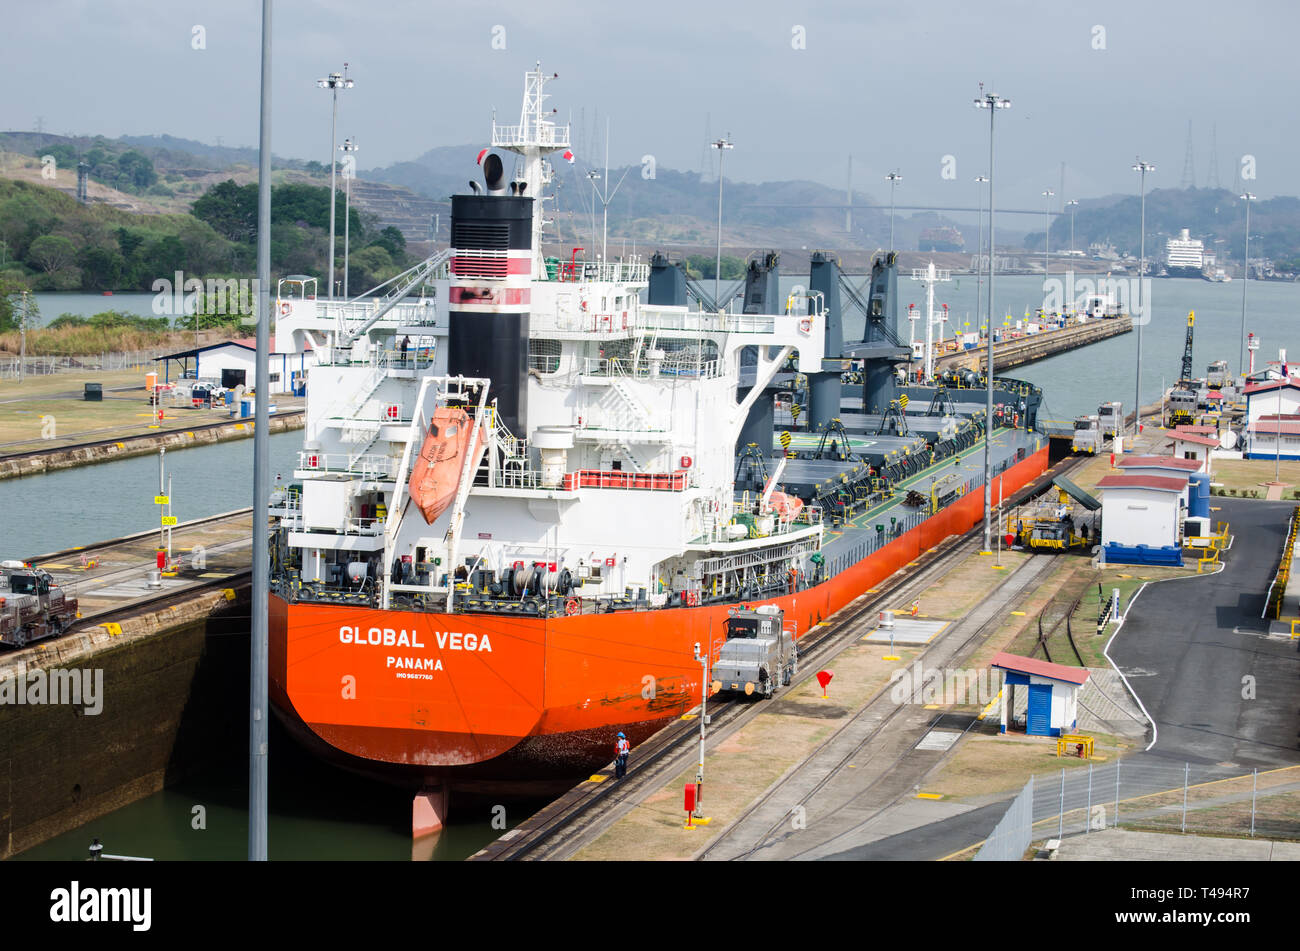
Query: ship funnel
x=494 y=175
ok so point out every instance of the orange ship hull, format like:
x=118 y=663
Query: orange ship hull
x=484 y=699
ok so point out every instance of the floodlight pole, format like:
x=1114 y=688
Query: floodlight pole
x=1143 y=167
x=992 y=103
x=259 y=663
x=334 y=82
x=723 y=146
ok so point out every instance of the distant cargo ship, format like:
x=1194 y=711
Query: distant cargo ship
x=941 y=239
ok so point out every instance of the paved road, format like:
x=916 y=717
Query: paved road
x=1193 y=648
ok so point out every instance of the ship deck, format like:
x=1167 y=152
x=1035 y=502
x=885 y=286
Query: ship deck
x=844 y=541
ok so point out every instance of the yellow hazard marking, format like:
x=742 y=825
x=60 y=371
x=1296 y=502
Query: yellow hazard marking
x=56 y=567
x=597 y=778
x=689 y=716
x=1123 y=576
x=191 y=435
x=1018 y=613
x=991 y=704
x=169 y=574
x=120 y=445
x=239 y=425
x=230 y=594
x=113 y=628
x=929 y=795
x=933 y=706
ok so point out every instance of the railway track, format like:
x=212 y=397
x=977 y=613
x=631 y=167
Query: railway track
x=855 y=737
x=580 y=815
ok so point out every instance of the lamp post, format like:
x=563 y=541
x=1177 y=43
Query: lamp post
x=334 y=82
x=259 y=663
x=1047 y=229
x=723 y=146
x=1245 y=279
x=893 y=178
x=703 y=658
x=979 y=267
x=992 y=103
x=1143 y=167
x=349 y=172
x=1071 y=205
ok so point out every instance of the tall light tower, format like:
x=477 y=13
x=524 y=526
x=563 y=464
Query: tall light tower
x=992 y=103
x=893 y=178
x=1247 y=197
x=1143 y=167
x=1047 y=229
x=334 y=82
x=1072 y=204
x=723 y=146
x=979 y=268
x=349 y=172
x=259 y=633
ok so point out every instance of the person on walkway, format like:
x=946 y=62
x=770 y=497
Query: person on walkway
x=621 y=750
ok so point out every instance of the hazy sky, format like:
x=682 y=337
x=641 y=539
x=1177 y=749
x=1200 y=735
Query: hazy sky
x=890 y=83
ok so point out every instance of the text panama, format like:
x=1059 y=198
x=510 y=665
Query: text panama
x=390 y=637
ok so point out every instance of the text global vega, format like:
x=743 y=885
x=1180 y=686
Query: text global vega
x=389 y=637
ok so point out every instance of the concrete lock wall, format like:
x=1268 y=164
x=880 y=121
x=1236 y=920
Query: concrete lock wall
x=174 y=688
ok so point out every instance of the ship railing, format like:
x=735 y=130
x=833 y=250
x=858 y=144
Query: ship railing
x=543 y=134
x=703 y=322
x=611 y=272
x=415 y=313
x=643 y=369
x=521 y=477
x=368 y=466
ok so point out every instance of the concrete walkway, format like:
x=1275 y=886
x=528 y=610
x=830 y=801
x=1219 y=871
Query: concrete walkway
x=1124 y=846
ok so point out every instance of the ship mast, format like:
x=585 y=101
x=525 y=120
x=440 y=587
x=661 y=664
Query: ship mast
x=535 y=137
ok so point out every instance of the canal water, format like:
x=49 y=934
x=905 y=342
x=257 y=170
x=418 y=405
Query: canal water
x=320 y=812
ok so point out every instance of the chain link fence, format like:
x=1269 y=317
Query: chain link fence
x=34 y=366
x=1149 y=793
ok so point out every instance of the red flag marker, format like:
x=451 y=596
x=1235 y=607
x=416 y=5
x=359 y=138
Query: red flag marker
x=824 y=678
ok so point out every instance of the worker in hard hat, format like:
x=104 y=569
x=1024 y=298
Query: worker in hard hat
x=621 y=750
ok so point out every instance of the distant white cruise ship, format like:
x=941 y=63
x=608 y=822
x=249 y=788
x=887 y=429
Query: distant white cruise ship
x=1184 y=255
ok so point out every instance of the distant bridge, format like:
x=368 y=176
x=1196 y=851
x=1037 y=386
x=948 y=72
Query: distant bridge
x=885 y=208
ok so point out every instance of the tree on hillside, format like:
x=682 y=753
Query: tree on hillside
x=51 y=253
x=230 y=209
x=134 y=168
x=392 y=241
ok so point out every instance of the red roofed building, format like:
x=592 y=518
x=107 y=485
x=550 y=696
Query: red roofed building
x=1052 y=706
x=1273 y=436
x=1194 y=446
x=1264 y=401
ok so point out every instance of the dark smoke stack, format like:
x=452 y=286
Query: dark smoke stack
x=494 y=175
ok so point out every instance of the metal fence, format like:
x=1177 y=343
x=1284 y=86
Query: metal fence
x=1013 y=833
x=1150 y=793
x=142 y=360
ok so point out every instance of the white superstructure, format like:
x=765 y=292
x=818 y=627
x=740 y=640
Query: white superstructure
x=623 y=473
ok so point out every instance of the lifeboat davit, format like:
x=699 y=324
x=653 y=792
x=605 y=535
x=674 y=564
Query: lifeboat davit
x=436 y=473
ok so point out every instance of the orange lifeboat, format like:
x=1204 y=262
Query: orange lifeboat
x=787 y=506
x=436 y=473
